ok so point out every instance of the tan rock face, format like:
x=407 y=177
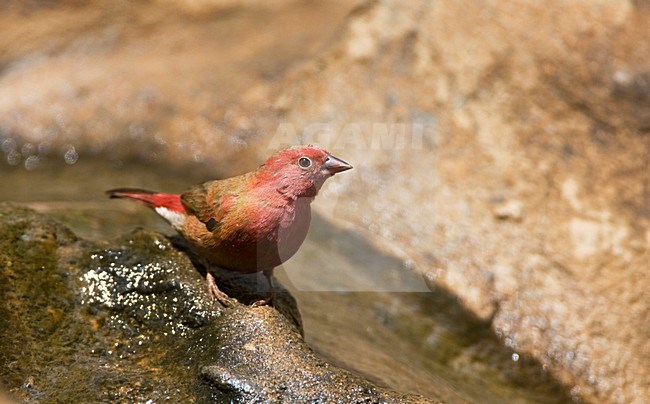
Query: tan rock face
x=531 y=179
x=503 y=146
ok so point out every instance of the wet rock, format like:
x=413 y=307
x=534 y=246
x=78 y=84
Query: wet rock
x=132 y=318
x=264 y=359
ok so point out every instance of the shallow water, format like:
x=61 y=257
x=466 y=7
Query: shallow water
x=363 y=307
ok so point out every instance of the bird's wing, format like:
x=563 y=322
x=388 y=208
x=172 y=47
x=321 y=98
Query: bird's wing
x=212 y=200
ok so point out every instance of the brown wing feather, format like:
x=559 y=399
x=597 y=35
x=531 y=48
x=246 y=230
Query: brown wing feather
x=212 y=200
x=195 y=200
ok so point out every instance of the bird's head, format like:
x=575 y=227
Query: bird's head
x=300 y=171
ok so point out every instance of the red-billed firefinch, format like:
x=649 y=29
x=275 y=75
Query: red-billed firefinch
x=252 y=222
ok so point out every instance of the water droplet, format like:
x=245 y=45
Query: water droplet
x=515 y=357
x=27 y=149
x=9 y=145
x=32 y=162
x=71 y=156
x=13 y=158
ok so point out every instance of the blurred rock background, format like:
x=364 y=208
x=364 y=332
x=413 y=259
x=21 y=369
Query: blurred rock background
x=501 y=148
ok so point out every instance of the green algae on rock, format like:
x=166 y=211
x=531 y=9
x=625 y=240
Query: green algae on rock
x=76 y=331
x=130 y=319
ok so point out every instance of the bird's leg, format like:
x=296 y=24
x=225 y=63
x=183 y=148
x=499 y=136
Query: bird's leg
x=270 y=299
x=215 y=292
x=213 y=288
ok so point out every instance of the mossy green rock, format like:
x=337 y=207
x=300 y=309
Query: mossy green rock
x=130 y=320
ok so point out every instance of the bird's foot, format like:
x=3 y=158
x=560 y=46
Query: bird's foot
x=263 y=302
x=270 y=299
x=216 y=293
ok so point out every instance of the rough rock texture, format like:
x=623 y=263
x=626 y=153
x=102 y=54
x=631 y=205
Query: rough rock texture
x=132 y=319
x=263 y=361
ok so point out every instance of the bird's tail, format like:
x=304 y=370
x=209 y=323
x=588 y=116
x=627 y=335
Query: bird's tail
x=149 y=198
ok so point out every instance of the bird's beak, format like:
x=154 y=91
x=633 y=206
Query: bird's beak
x=334 y=165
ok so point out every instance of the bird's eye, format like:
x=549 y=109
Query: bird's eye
x=304 y=162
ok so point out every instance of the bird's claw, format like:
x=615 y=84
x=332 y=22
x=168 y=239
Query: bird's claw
x=218 y=294
x=269 y=301
x=262 y=302
x=221 y=297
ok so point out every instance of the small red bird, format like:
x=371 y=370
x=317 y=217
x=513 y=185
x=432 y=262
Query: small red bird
x=249 y=223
